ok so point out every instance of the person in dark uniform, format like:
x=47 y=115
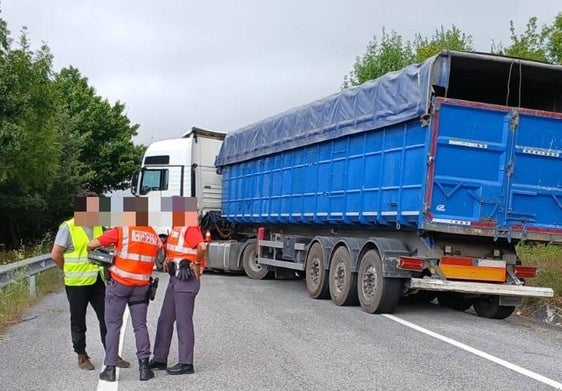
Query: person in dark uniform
x=135 y=251
x=185 y=262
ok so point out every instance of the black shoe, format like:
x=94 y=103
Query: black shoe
x=153 y=364
x=108 y=374
x=145 y=373
x=180 y=369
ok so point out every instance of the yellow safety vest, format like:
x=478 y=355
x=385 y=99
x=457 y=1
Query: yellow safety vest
x=78 y=270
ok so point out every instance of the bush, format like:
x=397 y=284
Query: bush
x=547 y=258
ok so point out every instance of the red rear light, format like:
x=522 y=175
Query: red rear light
x=260 y=235
x=525 y=271
x=408 y=263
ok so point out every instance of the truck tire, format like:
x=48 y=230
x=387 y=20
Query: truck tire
x=377 y=294
x=250 y=263
x=455 y=301
x=489 y=307
x=422 y=297
x=343 y=283
x=316 y=276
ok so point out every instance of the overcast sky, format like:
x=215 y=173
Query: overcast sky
x=225 y=64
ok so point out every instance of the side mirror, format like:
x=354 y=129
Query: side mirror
x=135 y=182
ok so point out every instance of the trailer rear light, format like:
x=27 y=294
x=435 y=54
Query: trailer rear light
x=409 y=263
x=525 y=271
x=260 y=235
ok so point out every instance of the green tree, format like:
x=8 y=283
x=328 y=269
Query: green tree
x=542 y=43
x=530 y=44
x=57 y=138
x=388 y=54
x=28 y=134
x=107 y=154
x=392 y=53
x=554 y=40
x=451 y=39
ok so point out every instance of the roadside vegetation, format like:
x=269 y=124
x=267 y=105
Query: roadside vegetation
x=547 y=258
x=58 y=137
x=16 y=297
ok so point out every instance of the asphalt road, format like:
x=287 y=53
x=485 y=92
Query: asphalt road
x=269 y=335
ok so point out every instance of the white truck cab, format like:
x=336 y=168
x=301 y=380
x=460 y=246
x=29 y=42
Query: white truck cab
x=182 y=167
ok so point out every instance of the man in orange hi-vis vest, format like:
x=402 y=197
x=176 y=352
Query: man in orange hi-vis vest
x=185 y=261
x=135 y=251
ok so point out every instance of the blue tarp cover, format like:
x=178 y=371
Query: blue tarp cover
x=391 y=99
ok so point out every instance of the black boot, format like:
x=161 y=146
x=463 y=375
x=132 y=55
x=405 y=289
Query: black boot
x=108 y=374
x=144 y=369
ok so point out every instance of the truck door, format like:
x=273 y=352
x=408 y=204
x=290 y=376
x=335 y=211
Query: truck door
x=534 y=194
x=495 y=167
x=469 y=163
x=168 y=181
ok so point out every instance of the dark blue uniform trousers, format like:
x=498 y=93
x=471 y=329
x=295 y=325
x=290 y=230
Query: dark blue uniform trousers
x=178 y=306
x=117 y=296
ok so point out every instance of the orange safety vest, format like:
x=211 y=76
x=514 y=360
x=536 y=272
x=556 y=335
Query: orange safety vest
x=176 y=246
x=134 y=255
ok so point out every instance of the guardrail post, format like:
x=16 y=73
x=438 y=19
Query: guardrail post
x=32 y=286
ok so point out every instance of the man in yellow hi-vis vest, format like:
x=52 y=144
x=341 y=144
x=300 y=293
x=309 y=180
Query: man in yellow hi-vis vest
x=83 y=284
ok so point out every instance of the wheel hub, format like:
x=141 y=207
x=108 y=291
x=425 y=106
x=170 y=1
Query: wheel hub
x=339 y=278
x=315 y=271
x=369 y=282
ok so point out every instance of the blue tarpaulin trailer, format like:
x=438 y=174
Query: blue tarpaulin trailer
x=420 y=181
x=391 y=153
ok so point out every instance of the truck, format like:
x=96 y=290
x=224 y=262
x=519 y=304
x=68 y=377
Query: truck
x=419 y=183
x=184 y=167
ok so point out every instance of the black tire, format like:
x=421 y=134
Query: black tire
x=316 y=275
x=250 y=263
x=422 y=296
x=489 y=307
x=343 y=283
x=377 y=294
x=454 y=301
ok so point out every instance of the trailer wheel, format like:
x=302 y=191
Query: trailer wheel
x=316 y=276
x=250 y=263
x=343 y=283
x=454 y=301
x=377 y=294
x=489 y=307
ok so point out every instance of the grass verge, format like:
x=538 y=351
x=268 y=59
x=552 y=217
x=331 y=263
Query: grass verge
x=15 y=298
x=547 y=258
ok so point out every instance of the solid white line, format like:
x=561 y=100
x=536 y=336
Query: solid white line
x=480 y=353
x=114 y=385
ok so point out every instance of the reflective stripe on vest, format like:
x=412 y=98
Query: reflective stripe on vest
x=78 y=270
x=134 y=255
x=176 y=248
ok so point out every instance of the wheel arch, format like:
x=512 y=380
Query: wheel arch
x=327 y=245
x=390 y=250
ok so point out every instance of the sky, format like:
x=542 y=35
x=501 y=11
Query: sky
x=225 y=64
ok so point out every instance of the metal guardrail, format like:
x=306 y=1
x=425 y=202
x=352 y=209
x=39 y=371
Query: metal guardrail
x=28 y=268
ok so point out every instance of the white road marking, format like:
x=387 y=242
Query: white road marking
x=114 y=386
x=480 y=353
